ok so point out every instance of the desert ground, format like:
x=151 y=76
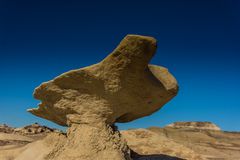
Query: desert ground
x=173 y=142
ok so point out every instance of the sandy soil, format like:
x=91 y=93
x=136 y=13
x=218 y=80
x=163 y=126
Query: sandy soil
x=147 y=144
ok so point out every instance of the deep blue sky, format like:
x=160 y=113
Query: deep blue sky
x=198 y=40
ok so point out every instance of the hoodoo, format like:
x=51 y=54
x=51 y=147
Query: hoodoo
x=121 y=88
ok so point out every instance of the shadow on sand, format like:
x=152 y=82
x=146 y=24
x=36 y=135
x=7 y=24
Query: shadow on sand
x=136 y=156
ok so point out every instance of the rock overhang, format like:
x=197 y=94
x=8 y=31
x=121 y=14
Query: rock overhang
x=121 y=88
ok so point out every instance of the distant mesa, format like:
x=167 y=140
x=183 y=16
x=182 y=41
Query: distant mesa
x=195 y=125
x=32 y=129
x=6 y=129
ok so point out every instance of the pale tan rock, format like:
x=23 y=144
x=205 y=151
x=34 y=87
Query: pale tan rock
x=121 y=88
x=151 y=145
x=86 y=142
x=195 y=125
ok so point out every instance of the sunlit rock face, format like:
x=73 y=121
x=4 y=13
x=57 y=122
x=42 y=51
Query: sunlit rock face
x=121 y=88
x=195 y=125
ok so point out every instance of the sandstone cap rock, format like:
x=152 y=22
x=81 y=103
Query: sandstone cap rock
x=121 y=88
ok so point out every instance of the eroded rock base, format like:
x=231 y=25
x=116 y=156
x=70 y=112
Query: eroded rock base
x=86 y=142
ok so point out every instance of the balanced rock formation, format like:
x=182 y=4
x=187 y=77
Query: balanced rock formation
x=121 y=88
x=195 y=125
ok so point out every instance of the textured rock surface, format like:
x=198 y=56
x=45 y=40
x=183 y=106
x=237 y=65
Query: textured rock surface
x=91 y=143
x=195 y=125
x=121 y=88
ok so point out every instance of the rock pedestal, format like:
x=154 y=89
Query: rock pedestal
x=121 y=88
x=85 y=142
